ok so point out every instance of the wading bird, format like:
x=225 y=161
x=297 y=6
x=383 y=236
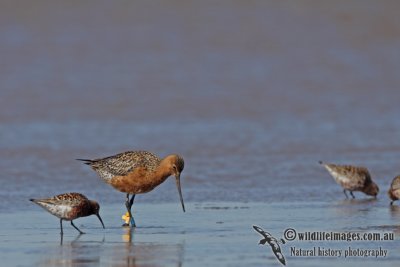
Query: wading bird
x=137 y=172
x=394 y=190
x=352 y=178
x=70 y=206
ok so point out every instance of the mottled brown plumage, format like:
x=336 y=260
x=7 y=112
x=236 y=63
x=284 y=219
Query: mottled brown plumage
x=353 y=178
x=137 y=172
x=394 y=190
x=70 y=206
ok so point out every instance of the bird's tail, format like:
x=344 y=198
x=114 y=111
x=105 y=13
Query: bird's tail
x=87 y=161
x=37 y=201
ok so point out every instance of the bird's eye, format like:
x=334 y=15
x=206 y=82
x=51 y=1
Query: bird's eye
x=174 y=167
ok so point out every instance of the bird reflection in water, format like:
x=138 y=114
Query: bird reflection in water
x=395 y=214
x=124 y=250
x=132 y=253
x=77 y=252
x=127 y=236
x=75 y=240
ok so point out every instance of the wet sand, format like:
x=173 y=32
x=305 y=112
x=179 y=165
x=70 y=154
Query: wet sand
x=218 y=233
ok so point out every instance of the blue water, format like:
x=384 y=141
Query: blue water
x=207 y=234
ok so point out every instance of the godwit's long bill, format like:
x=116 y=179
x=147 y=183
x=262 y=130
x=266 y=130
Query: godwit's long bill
x=70 y=206
x=138 y=172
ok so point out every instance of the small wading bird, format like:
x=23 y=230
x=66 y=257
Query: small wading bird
x=70 y=206
x=352 y=178
x=137 y=172
x=394 y=190
x=273 y=242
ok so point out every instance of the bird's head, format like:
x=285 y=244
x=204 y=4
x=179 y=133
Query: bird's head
x=95 y=209
x=176 y=165
x=372 y=189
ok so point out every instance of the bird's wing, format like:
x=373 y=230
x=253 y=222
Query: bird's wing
x=395 y=183
x=262 y=232
x=277 y=250
x=367 y=176
x=351 y=176
x=279 y=255
x=68 y=199
x=123 y=163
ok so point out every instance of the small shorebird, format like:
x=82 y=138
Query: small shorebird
x=137 y=172
x=352 y=178
x=394 y=190
x=70 y=206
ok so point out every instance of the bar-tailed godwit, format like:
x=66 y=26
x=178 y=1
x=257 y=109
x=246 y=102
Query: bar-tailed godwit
x=394 y=190
x=137 y=172
x=70 y=206
x=352 y=178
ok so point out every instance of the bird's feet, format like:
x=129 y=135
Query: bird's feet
x=129 y=221
x=127 y=225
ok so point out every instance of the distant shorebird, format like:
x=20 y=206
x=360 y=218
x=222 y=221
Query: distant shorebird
x=137 y=172
x=352 y=178
x=70 y=206
x=394 y=190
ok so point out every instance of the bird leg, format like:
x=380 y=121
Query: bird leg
x=128 y=205
x=131 y=204
x=128 y=208
x=61 y=227
x=351 y=193
x=80 y=232
x=344 y=191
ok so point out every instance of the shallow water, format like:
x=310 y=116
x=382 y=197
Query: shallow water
x=207 y=234
x=251 y=93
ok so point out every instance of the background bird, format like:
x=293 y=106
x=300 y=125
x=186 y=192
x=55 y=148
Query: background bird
x=352 y=178
x=137 y=172
x=70 y=206
x=394 y=190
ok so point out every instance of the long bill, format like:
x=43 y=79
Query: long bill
x=98 y=216
x=178 y=185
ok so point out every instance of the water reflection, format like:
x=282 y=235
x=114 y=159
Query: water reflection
x=131 y=253
x=86 y=250
x=75 y=240
x=394 y=211
x=74 y=253
x=127 y=236
x=351 y=210
x=395 y=214
x=356 y=201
